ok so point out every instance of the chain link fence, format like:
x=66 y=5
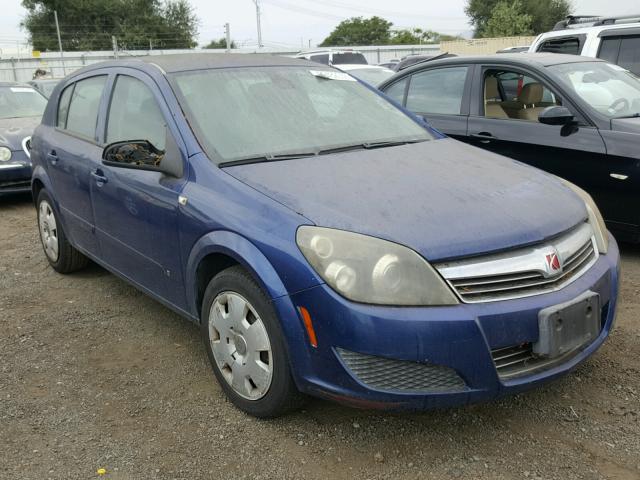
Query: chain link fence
x=23 y=69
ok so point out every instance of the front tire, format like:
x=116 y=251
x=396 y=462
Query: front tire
x=246 y=346
x=62 y=256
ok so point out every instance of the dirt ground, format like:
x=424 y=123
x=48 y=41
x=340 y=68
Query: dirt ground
x=94 y=374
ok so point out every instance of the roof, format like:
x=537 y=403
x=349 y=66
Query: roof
x=183 y=62
x=539 y=59
x=595 y=29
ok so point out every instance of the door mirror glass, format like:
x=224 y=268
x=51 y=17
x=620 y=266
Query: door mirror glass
x=143 y=155
x=556 y=116
x=133 y=154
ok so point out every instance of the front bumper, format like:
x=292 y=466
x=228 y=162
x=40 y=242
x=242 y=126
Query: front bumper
x=15 y=175
x=458 y=338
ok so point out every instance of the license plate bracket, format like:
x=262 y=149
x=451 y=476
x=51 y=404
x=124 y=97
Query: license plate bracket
x=568 y=326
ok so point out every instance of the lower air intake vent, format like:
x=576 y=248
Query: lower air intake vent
x=386 y=374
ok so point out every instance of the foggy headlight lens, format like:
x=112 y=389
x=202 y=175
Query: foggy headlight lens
x=5 y=154
x=370 y=270
x=595 y=217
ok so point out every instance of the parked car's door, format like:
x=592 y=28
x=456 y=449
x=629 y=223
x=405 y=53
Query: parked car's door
x=136 y=211
x=441 y=95
x=75 y=155
x=508 y=124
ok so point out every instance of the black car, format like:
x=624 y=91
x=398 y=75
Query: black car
x=21 y=108
x=576 y=117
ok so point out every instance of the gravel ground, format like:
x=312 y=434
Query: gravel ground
x=96 y=375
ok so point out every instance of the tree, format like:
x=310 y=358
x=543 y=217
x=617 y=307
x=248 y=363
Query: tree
x=89 y=24
x=418 y=36
x=544 y=13
x=360 y=31
x=508 y=20
x=221 y=43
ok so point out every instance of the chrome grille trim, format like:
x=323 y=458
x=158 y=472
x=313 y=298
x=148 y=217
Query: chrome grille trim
x=523 y=272
x=399 y=375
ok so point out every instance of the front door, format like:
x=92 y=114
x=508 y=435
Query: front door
x=507 y=123
x=136 y=211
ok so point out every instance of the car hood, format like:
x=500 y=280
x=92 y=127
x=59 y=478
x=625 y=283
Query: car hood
x=628 y=125
x=443 y=198
x=13 y=130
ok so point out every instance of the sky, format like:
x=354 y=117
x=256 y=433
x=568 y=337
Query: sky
x=295 y=23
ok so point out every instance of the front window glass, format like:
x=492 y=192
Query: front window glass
x=134 y=114
x=323 y=59
x=610 y=89
x=630 y=54
x=19 y=101
x=249 y=112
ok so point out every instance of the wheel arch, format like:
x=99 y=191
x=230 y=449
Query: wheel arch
x=219 y=250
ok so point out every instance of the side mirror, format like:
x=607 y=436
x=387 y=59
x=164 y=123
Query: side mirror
x=556 y=116
x=142 y=155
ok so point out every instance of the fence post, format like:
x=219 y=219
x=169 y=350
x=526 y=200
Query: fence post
x=13 y=67
x=378 y=56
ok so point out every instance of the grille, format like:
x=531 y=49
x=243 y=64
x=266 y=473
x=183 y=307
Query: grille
x=398 y=375
x=523 y=272
x=519 y=360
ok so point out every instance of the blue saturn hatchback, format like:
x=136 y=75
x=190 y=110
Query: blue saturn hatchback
x=328 y=242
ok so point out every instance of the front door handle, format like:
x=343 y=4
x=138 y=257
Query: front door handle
x=99 y=177
x=52 y=157
x=484 y=137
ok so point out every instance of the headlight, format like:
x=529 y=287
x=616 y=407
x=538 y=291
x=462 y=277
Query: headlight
x=5 y=154
x=595 y=217
x=370 y=270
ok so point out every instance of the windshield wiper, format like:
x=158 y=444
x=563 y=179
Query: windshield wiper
x=368 y=146
x=269 y=157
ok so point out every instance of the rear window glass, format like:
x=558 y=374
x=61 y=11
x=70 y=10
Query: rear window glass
x=85 y=103
x=437 y=91
x=568 y=45
x=349 y=59
x=323 y=59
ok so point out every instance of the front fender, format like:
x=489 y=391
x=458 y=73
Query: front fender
x=241 y=250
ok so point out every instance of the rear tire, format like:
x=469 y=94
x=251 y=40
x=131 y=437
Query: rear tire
x=62 y=256
x=246 y=346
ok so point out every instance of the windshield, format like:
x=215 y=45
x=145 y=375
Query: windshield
x=373 y=76
x=610 y=89
x=242 y=113
x=21 y=102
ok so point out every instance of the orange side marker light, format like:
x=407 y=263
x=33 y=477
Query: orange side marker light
x=308 y=325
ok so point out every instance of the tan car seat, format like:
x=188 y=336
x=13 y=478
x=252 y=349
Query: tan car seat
x=492 y=109
x=531 y=96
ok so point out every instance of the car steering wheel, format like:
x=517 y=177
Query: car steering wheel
x=619 y=101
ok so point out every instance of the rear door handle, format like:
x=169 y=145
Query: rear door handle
x=484 y=137
x=99 y=177
x=52 y=157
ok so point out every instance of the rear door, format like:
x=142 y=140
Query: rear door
x=136 y=211
x=441 y=95
x=72 y=152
